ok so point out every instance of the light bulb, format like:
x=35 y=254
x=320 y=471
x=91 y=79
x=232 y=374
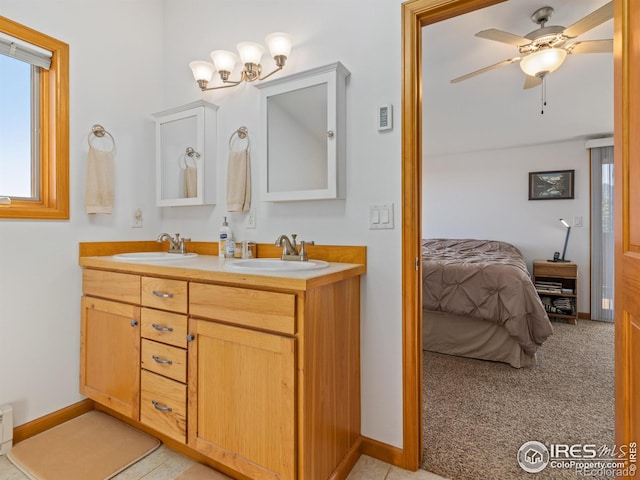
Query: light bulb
x=202 y=70
x=250 y=52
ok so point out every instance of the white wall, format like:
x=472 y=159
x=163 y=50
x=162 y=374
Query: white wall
x=129 y=59
x=39 y=273
x=484 y=195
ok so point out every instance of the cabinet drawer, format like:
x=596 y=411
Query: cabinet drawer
x=164 y=327
x=163 y=405
x=165 y=294
x=551 y=269
x=165 y=360
x=123 y=287
x=243 y=306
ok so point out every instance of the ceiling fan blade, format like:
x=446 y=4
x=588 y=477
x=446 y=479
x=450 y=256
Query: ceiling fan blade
x=504 y=37
x=530 y=82
x=591 y=46
x=485 y=69
x=592 y=20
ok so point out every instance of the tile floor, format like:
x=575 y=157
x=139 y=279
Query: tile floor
x=165 y=464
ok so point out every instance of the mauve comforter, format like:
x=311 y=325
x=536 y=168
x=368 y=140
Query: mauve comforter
x=486 y=279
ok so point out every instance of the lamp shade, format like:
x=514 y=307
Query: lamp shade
x=202 y=70
x=224 y=60
x=279 y=43
x=250 y=52
x=544 y=61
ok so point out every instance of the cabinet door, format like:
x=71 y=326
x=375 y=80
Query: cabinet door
x=110 y=354
x=241 y=399
x=303 y=117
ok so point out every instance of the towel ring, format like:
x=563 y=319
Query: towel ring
x=188 y=153
x=242 y=133
x=99 y=131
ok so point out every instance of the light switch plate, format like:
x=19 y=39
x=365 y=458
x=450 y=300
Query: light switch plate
x=381 y=217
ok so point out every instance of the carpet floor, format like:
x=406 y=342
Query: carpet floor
x=477 y=413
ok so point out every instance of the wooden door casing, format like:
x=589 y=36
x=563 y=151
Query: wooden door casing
x=627 y=219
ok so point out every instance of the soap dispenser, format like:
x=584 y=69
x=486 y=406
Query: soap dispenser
x=225 y=235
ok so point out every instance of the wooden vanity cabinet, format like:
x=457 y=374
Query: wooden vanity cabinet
x=110 y=341
x=263 y=378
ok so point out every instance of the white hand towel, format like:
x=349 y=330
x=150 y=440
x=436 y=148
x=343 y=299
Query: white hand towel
x=239 y=181
x=99 y=188
x=190 y=182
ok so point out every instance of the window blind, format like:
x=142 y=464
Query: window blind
x=602 y=234
x=25 y=52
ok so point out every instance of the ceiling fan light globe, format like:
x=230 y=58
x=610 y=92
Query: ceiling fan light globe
x=544 y=61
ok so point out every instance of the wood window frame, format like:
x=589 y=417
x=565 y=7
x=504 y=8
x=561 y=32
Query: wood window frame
x=53 y=203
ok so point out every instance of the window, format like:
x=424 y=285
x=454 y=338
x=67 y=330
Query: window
x=34 y=124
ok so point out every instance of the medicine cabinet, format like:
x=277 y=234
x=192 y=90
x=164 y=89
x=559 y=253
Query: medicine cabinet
x=303 y=141
x=185 y=155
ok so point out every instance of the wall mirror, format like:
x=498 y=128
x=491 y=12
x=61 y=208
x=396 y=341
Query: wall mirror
x=303 y=140
x=185 y=155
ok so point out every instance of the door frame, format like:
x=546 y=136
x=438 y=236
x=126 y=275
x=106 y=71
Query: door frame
x=415 y=15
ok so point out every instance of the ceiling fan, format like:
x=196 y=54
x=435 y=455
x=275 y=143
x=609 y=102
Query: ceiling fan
x=543 y=50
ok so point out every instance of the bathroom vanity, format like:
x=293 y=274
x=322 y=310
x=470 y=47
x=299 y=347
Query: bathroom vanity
x=258 y=373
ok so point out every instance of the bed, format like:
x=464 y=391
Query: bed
x=479 y=302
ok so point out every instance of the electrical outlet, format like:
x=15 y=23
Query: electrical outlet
x=250 y=220
x=137 y=218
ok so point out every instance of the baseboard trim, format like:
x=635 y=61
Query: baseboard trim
x=345 y=466
x=383 y=451
x=39 y=425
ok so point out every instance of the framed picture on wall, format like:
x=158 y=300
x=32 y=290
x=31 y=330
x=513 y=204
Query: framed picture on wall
x=552 y=185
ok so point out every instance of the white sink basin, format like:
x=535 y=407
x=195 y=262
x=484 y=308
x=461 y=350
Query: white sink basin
x=153 y=256
x=267 y=265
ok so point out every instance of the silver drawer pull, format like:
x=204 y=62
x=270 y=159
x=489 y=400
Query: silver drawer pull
x=160 y=328
x=162 y=294
x=162 y=360
x=162 y=408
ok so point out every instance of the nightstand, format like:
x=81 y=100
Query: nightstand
x=557 y=286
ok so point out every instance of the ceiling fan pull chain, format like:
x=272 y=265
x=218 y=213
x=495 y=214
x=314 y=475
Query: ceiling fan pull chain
x=543 y=99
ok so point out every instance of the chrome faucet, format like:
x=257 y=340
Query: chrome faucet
x=290 y=248
x=176 y=245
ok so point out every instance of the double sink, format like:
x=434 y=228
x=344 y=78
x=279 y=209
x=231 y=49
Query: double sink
x=247 y=265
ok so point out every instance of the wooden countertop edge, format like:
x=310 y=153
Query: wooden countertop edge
x=97 y=255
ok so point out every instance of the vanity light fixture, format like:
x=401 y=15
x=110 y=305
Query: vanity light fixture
x=250 y=55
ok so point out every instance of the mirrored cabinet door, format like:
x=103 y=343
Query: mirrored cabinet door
x=303 y=135
x=185 y=155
